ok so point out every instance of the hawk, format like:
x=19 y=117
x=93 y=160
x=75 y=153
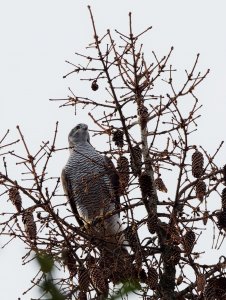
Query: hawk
x=91 y=184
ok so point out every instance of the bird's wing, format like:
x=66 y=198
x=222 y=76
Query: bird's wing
x=68 y=191
x=113 y=174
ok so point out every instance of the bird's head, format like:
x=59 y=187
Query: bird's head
x=79 y=134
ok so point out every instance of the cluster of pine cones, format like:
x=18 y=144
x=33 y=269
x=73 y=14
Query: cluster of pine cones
x=135 y=164
x=27 y=215
x=197 y=172
x=123 y=164
x=96 y=274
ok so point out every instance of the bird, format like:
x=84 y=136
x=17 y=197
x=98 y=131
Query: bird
x=92 y=186
x=90 y=182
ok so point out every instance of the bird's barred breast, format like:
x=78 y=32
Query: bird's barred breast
x=91 y=185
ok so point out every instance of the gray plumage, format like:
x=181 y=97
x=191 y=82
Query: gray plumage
x=90 y=183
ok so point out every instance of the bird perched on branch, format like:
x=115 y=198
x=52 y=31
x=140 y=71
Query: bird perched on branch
x=91 y=184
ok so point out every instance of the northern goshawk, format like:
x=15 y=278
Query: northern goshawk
x=91 y=183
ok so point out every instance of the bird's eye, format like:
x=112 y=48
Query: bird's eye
x=77 y=127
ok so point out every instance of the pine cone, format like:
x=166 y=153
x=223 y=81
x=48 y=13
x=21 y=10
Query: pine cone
x=136 y=163
x=29 y=225
x=82 y=296
x=222 y=219
x=69 y=261
x=152 y=279
x=83 y=279
x=209 y=291
x=118 y=137
x=189 y=241
x=145 y=184
x=131 y=236
x=197 y=164
x=152 y=223
x=200 y=189
x=98 y=280
x=173 y=234
x=175 y=256
x=15 y=197
x=160 y=185
x=171 y=255
x=106 y=263
x=123 y=169
x=94 y=85
x=223 y=198
x=143 y=114
x=117 y=265
x=224 y=174
x=112 y=265
x=201 y=282
x=221 y=288
x=124 y=266
x=215 y=289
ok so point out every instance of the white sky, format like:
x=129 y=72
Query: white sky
x=38 y=36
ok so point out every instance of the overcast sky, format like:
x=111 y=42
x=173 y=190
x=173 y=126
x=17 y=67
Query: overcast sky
x=38 y=36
